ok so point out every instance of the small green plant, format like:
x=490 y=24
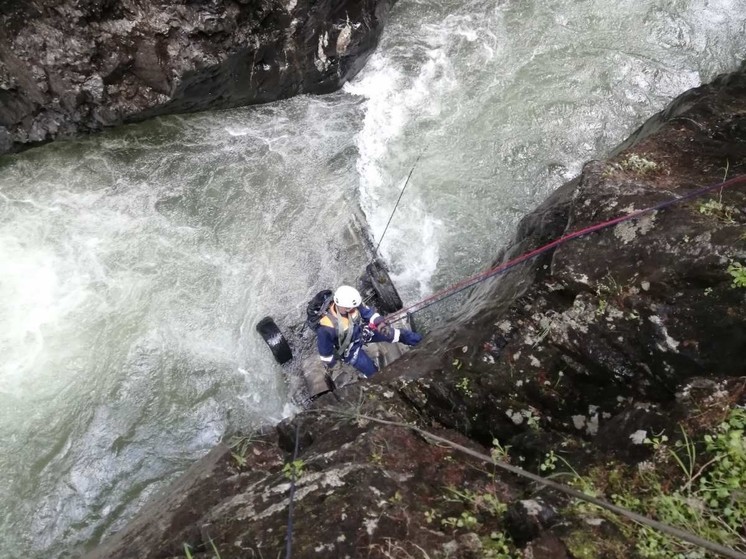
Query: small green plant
x=466 y=520
x=497 y=547
x=293 y=470
x=656 y=441
x=626 y=500
x=706 y=500
x=602 y=304
x=560 y=374
x=463 y=386
x=431 y=516
x=239 y=447
x=586 y=484
x=549 y=463
x=609 y=290
x=718 y=210
x=491 y=504
x=546 y=327
x=499 y=453
x=639 y=165
x=188 y=550
x=608 y=285
x=532 y=420
x=478 y=502
x=738 y=273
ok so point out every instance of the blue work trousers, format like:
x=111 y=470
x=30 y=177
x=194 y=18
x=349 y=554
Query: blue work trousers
x=357 y=357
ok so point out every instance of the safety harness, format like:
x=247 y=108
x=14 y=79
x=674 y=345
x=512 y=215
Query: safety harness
x=344 y=335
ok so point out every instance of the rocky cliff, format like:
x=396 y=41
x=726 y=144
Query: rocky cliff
x=76 y=66
x=614 y=362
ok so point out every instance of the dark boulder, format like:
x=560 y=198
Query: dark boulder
x=526 y=519
x=69 y=67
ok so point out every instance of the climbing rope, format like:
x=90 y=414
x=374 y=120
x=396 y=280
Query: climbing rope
x=644 y=520
x=397 y=204
x=289 y=534
x=500 y=268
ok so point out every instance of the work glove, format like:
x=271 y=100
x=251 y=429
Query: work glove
x=385 y=330
x=407 y=337
x=374 y=324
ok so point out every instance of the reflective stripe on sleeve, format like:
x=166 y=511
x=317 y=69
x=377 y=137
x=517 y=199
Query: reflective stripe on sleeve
x=396 y=335
x=327 y=359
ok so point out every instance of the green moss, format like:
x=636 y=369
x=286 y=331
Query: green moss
x=583 y=545
x=588 y=544
x=718 y=210
x=642 y=165
x=639 y=165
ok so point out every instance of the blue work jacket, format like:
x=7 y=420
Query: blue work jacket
x=334 y=331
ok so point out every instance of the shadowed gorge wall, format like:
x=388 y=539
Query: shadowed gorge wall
x=69 y=67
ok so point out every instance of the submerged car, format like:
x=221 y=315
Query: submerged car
x=295 y=349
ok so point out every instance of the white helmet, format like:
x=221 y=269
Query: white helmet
x=348 y=297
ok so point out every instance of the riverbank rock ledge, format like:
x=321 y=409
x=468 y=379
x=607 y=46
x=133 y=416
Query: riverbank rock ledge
x=76 y=66
x=589 y=360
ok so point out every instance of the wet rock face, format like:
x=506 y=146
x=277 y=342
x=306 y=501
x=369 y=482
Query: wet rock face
x=78 y=66
x=362 y=489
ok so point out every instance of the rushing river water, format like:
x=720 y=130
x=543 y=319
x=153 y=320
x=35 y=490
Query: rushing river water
x=135 y=264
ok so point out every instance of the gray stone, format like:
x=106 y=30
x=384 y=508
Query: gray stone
x=6 y=142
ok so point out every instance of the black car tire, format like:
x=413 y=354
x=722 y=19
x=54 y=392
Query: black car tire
x=388 y=298
x=275 y=340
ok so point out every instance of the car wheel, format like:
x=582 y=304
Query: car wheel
x=275 y=340
x=386 y=294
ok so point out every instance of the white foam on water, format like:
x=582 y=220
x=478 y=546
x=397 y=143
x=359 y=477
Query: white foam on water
x=238 y=132
x=496 y=95
x=394 y=100
x=41 y=290
x=29 y=284
x=413 y=278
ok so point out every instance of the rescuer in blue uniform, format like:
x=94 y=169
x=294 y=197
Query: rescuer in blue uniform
x=347 y=325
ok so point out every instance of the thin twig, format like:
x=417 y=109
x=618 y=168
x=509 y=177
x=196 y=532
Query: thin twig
x=699 y=473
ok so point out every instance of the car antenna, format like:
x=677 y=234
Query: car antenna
x=375 y=252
